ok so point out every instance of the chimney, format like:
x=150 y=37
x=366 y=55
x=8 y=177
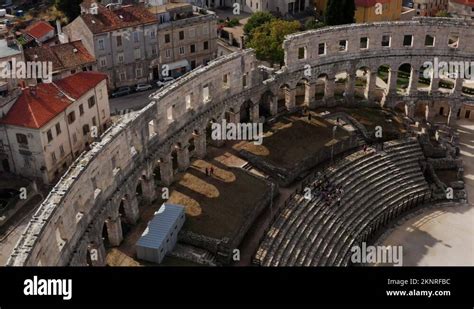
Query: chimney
x=74 y=50
x=58 y=27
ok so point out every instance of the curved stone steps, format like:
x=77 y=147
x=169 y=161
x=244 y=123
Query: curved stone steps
x=343 y=257
x=348 y=224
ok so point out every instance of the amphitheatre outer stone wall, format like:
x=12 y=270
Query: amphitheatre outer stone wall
x=101 y=187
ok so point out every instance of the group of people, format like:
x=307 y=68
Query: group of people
x=209 y=171
x=329 y=192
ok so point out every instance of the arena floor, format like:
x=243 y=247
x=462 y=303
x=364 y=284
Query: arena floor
x=444 y=236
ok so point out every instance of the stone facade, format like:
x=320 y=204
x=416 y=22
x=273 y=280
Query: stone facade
x=106 y=184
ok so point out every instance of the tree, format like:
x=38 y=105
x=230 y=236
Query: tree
x=256 y=20
x=442 y=14
x=313 y=24
x=339 y=12
x=267 y=40
x=70 y=8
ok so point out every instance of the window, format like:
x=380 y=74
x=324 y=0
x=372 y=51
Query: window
x=453 y=41
x=137 y=53
x=154 y=50
x=386 y=40
x=167 y=38
x=85 y=129
x=188 y=101
x=71 y=117
x=152 y=34
x=58 y=129
x=408 y=40
x=119 y=41
x=205 y=94
x=81 y=110
x=120 y=58
x=181 y=35
x=22 y=139
x=103 y=61
x=49 y=134
x=301 y=53
x=139 y=73
x=364 y=43
x=94 y=121
x=322 y=49
x=91 y=102
x=74 y=138
x=193 y=48
x=136 y=37
x=53 y=157
x=101 y=44
x=206 y=45
x=244 y=80
x=343 y=45
x=225 y=80
x=429 y=41
x=168 y=53
x=181 y=50
x=61 y=151
x=123 y=76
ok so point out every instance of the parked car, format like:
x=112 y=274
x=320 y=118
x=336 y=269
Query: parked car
x=121 y=92
x=165 y=81
x=143 y=87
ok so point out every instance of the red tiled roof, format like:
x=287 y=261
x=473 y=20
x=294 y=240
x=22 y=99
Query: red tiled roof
x=39 y=29
x=465 y=2
x=108 y=20
x=78 y=84
x=62 y=56
x=36 y=110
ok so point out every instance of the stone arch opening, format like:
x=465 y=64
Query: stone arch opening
x=283 y=96
x=174 y=159
x=245 y=111
x=404 y=77
x=340 y=84
x=425 y=78
x=265 y=107
x=301 y=91
x=124 y=220
x=362 y=83
x=320 y=87
x=139 y=192
x=105 y=235
x=383 y=74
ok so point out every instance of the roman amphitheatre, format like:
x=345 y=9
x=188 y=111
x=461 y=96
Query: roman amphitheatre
x=359 y=146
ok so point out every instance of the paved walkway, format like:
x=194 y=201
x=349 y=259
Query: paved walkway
x=444 y=236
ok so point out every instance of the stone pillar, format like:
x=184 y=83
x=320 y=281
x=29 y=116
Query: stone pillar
x=166 y=171
x=183 y=158
x=413 y=85
x=453 y=114
x=114 y=231
x=255 y=113
x=371 y=90
x=200 y=144
x=410 y=110
x=329 y=90
x=457 y=90
x=234 y=117
x=290 y=98
x=350 y=88
x=392 y=83
x=274 y=105
x=434 y=87
x=310 y=94
x=130 y=206
x=149 y=189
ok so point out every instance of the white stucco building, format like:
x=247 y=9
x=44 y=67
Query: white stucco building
x=49 y=125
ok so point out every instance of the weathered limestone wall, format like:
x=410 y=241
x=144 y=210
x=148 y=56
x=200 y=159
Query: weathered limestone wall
x=68 y=225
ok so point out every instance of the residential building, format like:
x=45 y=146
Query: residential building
x=67 y=59
x=10 y=50
x=461 y=8
x=39 y=32
x=280 y=7
x=429 y=7
x=371 y=10
x=51 y=124
x=140 y=43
